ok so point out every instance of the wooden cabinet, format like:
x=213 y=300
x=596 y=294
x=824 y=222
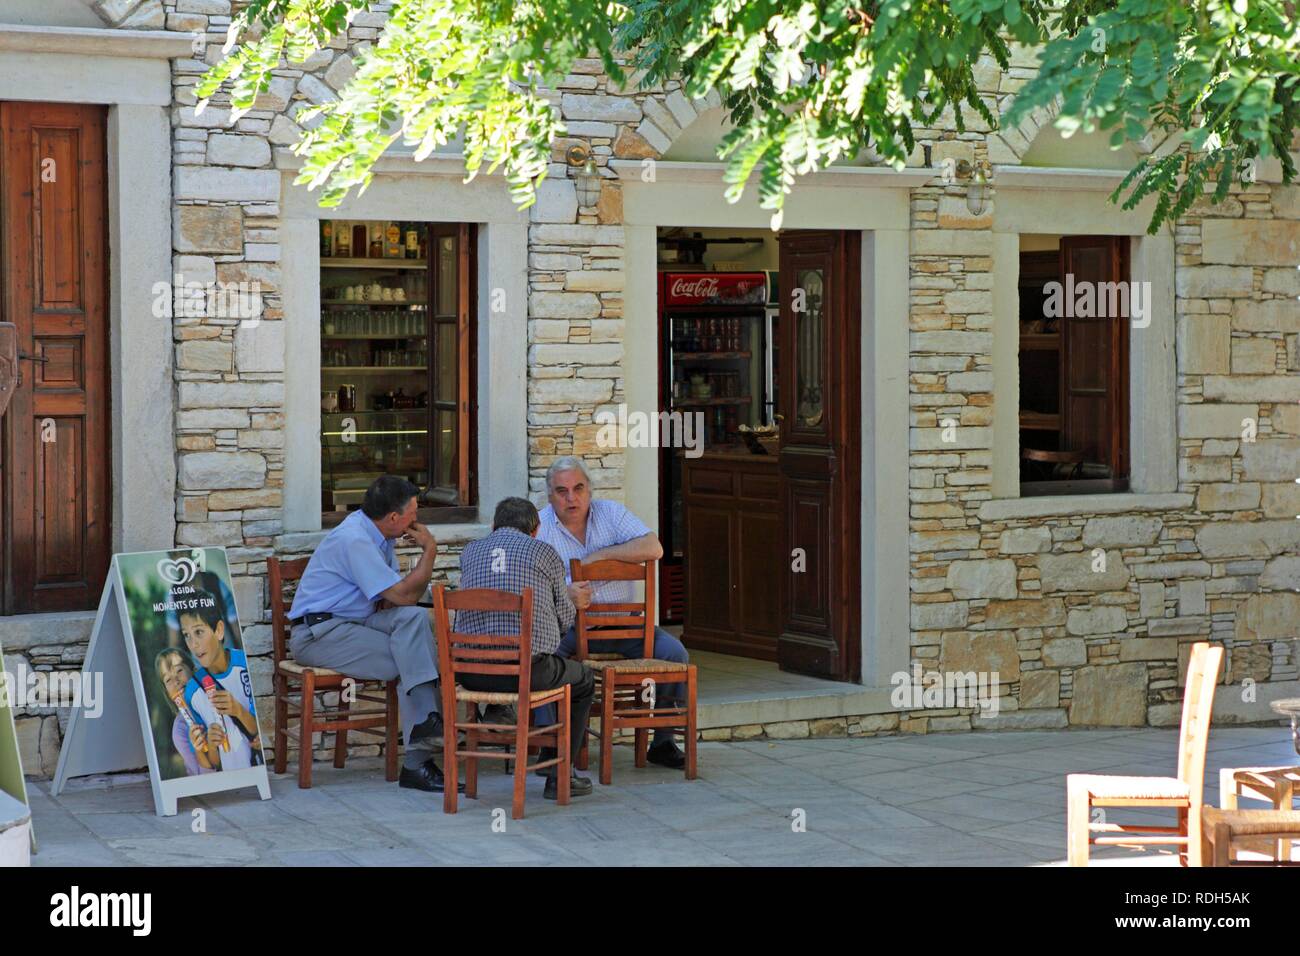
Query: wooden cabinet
x=733 y=553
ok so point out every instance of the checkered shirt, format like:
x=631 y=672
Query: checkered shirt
x=509 y=560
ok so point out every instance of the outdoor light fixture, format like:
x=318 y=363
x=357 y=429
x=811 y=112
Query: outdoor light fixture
x=586 y=178
x=977 y=187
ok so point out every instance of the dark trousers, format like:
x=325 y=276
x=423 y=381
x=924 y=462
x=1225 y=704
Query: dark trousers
x=549 y=671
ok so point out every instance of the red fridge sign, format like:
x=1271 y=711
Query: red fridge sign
x=715 y=288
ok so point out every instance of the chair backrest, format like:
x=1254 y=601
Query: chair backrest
x=616 y=621
x=279 y=573
x=497 y=654
x=1198 y=706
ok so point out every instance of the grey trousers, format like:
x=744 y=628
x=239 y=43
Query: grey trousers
x=393 y=643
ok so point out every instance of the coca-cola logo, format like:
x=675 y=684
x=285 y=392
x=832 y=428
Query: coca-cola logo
x=700 y=288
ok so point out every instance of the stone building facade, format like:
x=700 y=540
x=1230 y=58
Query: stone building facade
x=1206 y=545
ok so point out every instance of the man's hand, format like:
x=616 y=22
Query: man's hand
x=419 y=535
x=580 y=594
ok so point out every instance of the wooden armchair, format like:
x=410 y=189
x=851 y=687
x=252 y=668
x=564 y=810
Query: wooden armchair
x=1183 y=792
x=622 y=684
x=296 y=687
x=507 y=655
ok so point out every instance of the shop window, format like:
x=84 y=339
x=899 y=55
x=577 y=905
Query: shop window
x=1074 y=327
x=397 y=363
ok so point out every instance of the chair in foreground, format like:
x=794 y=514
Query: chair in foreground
x=1182 y=793
x=508 y=655
x=622 y=684
x=1277 y=786
x=296 y=687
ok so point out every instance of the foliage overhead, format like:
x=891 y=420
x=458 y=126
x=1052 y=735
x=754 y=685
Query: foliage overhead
x=1206 y=88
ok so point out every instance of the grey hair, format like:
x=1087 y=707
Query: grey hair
x=567 y=463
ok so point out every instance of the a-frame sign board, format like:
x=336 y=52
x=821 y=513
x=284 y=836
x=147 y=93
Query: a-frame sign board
x=12 y=781
x=121 y=736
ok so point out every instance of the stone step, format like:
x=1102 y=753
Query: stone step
x=23 y=631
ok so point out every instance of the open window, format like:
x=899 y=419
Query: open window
x=397 y=342
x=1074 y=404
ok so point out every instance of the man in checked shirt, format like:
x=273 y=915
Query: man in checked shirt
x=511 y=559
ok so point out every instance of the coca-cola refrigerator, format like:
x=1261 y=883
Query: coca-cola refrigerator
x=715 y=360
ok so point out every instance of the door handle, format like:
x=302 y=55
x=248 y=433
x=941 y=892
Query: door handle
x=33 y=358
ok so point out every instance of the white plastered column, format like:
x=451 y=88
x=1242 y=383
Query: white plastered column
x=128 y=71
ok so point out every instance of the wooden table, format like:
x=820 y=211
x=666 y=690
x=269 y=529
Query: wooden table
x=1290 y=707
x=1221 y=829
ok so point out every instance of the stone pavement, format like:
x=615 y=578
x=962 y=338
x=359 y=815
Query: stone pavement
x=974 y=799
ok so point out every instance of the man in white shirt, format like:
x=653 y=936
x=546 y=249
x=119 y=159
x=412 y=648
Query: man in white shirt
x=590 y=530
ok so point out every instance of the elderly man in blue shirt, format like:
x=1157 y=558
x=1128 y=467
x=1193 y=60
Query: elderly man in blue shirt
x=354 y=612
x=578 y=526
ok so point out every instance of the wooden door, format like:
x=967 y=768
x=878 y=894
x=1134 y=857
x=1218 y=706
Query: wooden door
x=820 y=458
x=451 y=369
x=55 y=446
x=1094 y=356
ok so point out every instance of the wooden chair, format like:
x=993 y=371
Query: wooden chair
x=622 y=684
x=1223 y=831
x=500 y=654
x=1183 y=792
x=297 y=685
x=1275 y=785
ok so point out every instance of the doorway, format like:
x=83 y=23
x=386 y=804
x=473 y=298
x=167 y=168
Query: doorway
x=759 y=341
x=55 y=439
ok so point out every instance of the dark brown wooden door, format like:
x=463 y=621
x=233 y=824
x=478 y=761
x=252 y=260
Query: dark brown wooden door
x=820 y=458
x=1094 y=358
x=451 y=372
x=55 y=447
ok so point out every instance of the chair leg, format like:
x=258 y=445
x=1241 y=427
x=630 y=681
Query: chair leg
x=341 y=735
x=521 y=761
x=391 y=728
x=607 y=729
x=305 y=733
x=450 y=771
x=564 y=768
x=691 y=731
x=597 y=707
x=471 y=762
x=642 y=744
x=1285 y=796
x=280 y=685
x=1076 y=823
x=1193 y=827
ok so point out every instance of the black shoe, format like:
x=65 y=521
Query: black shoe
x=665 y=754
x=578 y=787
x=499 y=714
x=426 y=777
x=428 y=732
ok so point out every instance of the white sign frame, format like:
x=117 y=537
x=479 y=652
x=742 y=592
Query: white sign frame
x=105 y=744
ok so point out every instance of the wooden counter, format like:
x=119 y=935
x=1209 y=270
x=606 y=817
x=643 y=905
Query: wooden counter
x=733 y=555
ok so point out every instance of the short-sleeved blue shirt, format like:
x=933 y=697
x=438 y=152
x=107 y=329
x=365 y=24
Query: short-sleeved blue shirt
x=608 y=523
x=350 y=569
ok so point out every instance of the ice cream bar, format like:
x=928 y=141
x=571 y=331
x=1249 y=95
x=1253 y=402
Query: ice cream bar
x=179 y=700
x=208 y=684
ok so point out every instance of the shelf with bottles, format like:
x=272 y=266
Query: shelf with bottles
x=721 y=335
x=353 y=243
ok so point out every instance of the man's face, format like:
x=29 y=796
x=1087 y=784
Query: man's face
x=203 y=642
x=570 y=496
x=395 y=523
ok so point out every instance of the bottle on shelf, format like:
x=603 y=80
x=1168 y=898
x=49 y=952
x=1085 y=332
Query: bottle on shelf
x=412 y=240
x=360 y=242
x=376 y=241
x=326 y=238
x=342 y=239
x=392 y=241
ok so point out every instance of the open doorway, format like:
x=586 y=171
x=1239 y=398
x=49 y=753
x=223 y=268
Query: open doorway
x=758 y=348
